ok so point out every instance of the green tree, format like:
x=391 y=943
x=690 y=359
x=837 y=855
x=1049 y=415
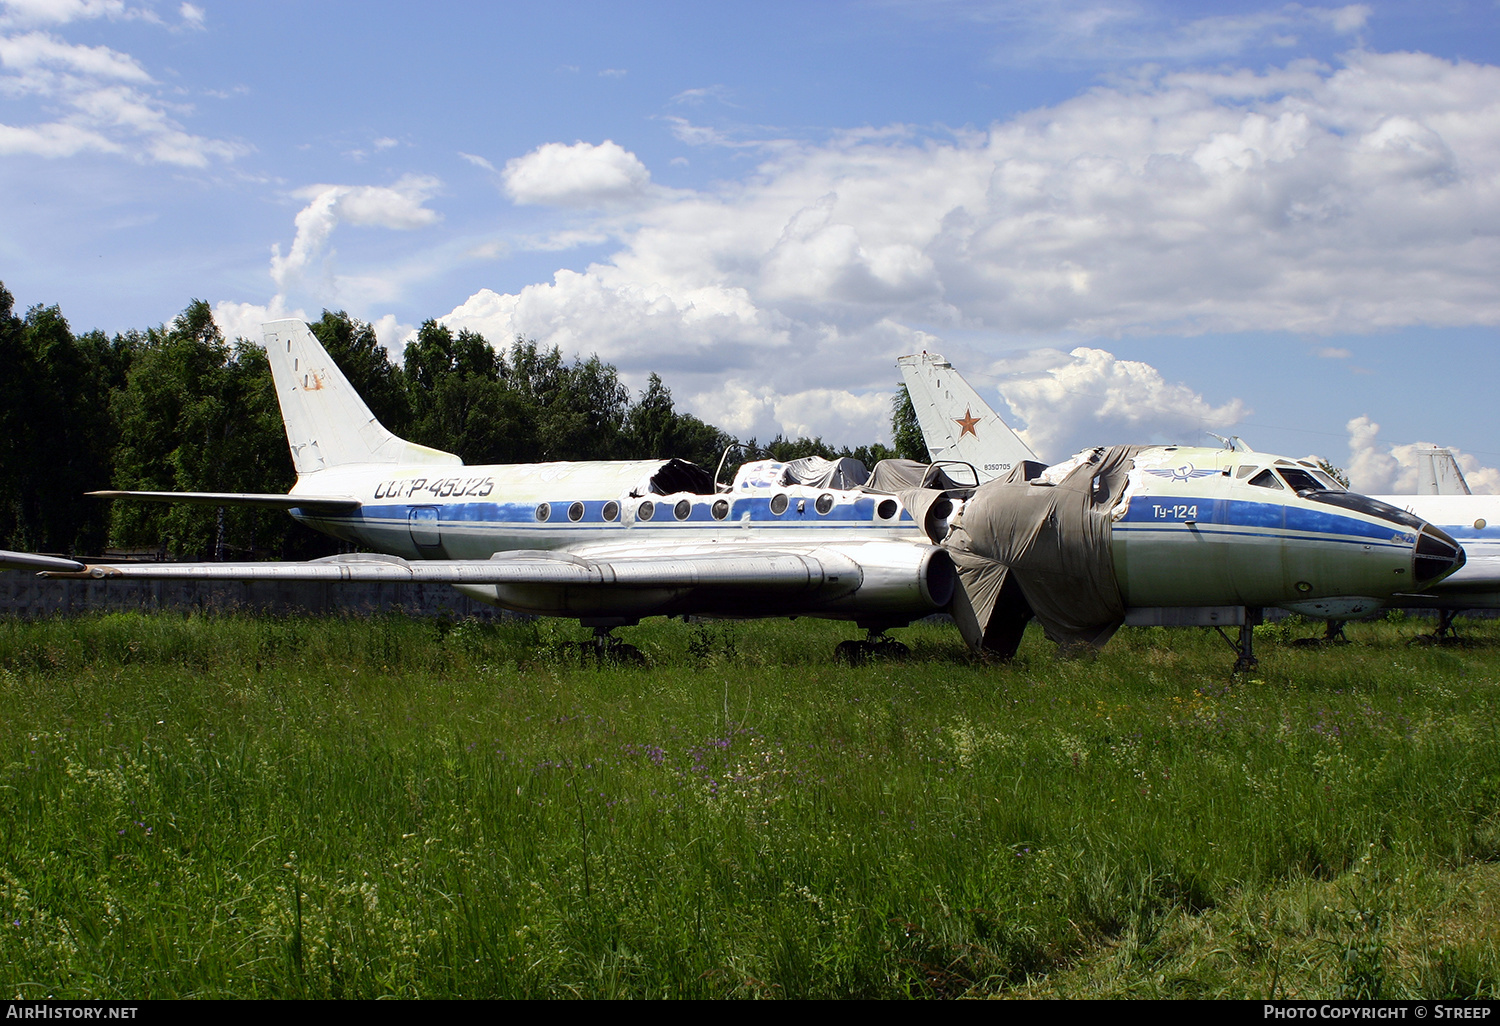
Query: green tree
x=364 y=361
x=1335 y=472
x=654 y=429
x=905 y=431
x=197 y=415
x=461 y=401
x=579 y=409
x=55 y=434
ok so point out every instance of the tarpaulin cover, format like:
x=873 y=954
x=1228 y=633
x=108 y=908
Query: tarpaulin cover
x=816 y=472
x=894 y=476
x=1050 y=542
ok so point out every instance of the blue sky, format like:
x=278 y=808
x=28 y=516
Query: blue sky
x=1126 y=221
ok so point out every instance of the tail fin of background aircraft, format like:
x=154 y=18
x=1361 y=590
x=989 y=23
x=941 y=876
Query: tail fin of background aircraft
x=956 y=423
x=1438 y=473
x=327 y=423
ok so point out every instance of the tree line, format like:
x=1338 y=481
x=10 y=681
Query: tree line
x=179 y=408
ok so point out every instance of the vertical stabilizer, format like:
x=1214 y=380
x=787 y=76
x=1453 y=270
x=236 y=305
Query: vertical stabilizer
x=955 y=422
x=327 y=423
x=1438 y=473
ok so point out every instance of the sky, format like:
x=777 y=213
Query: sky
x=1123 y=220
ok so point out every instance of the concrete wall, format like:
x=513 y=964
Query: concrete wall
x=26 y=595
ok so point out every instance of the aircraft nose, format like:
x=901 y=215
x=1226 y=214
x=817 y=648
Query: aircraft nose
x=1435 y=556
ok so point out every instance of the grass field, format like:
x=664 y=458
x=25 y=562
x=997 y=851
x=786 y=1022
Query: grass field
x=263 y=807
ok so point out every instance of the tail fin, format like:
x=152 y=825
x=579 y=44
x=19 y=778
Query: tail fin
x=956 y=423
x=327 y=423
x=1438 y=473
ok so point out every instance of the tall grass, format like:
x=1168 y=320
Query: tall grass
x=268 y=807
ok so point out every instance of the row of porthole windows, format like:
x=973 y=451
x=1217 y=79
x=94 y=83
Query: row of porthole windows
x=610 y=512
x=645 y=511
x=720 y=509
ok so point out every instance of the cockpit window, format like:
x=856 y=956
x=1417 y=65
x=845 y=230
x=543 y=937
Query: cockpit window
x=1328 y=482
x=1372 y=507
x=1300 y=480
x=1266 y=479
x=1245 y=471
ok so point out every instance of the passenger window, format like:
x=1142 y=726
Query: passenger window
x=1266 y=479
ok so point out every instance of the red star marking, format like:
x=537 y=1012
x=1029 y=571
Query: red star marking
x=967 y=422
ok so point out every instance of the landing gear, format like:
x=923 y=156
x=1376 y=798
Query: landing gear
x=607 y=650
x=1446 y=633
x=875 y=646
x=1245 y=647
x=1333 y=634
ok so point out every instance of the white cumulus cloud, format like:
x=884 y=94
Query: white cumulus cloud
x=108 y=97
x=244 y=320
x=581 y=175
x=1377 y=468
x=1071 y=30
x=399 y=206
x=1326 y=201
x=57 y=12
x=1088 y=397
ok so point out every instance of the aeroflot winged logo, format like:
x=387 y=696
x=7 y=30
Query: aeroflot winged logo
x=967 y=422
x=1186 y=472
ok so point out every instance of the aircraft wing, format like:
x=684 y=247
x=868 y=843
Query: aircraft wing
x=29 y=561
x=312 y=503
x=769 y=571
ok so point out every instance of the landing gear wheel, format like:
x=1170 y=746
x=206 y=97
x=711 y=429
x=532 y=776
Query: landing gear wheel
x=850 y=653
x=876 y=646
x=608 y=650
x=1333 y=634
x=1245 y=648
x=1446 y=633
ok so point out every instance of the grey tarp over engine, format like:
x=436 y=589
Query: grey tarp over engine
x=924 y=490
x=1025 y=548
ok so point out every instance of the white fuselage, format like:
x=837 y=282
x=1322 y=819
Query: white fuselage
x=1197 y=529
x=1474 y=522
x=1189 y=533
x=587 y=509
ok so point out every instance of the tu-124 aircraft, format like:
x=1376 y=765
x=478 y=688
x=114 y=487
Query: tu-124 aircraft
x=1076 y=545
x=1238 y=496
x=1443 y=497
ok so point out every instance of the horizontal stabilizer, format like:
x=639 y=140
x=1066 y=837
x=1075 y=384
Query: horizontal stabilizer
x=318 y=503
